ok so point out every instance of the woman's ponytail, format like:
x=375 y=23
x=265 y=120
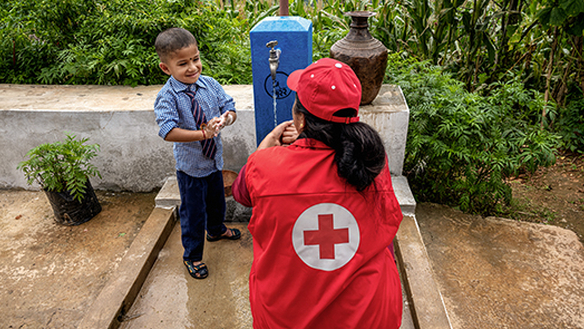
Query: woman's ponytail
x=359 y=154
x=359 y=150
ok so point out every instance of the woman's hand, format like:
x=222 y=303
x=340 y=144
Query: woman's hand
x=274 y=138
x=289 y=135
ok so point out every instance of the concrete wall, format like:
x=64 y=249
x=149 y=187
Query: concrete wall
x=132 y=157
x=389 y=114
x=121 y=121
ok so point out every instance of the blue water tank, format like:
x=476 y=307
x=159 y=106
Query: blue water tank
x=294 y=38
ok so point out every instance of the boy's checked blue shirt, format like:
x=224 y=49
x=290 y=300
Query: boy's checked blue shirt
x=173 y=108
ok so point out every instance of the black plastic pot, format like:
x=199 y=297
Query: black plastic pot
x=69 y=211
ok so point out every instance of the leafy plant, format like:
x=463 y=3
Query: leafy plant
x=489 y=83
x=570 y=125
x=462 y=146
x=112 y=43
x=62 y=166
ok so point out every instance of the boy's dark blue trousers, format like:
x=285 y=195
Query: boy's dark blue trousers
x=202 y=204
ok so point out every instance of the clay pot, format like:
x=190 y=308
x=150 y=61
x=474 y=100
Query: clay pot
x=229 y=177
x=366 y=55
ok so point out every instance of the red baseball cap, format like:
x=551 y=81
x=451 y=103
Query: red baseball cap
x=325 y=87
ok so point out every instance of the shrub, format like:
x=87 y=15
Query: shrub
x=112 y=43
x=62 y=166
x=570 y=125
x=462 y=146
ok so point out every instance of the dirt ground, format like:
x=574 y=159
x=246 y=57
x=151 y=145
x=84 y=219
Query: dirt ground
x=514 y=273
x=553 y=195
x=49 y=273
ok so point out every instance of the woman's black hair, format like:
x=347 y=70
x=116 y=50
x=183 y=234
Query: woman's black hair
x=359 y=150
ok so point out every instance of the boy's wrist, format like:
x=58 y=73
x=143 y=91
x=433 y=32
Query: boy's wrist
x=229 y=119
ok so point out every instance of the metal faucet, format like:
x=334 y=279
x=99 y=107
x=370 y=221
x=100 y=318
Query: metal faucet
x=274 y=58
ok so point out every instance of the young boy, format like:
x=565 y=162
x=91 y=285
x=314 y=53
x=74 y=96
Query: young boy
x=191 y=109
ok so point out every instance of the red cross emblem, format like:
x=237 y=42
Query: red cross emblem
x=326 y=237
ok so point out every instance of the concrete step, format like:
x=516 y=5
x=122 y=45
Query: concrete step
x=152 y=286
x=169 y=196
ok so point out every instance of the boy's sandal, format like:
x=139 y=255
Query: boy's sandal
x=235 y=234
x=197 y=271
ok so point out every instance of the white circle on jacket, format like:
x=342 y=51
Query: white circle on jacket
x=326 y=236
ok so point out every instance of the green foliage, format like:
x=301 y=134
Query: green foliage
x=570 y=125
x=482 y=41
x=329 y=24
x=112 y=43
x=61 y=166
x=479 y=41
x=511 y=72
x=462 y=146
x=224 y=43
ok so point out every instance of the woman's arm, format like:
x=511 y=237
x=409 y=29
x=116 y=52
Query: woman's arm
x=239 y=189
x=282 y=134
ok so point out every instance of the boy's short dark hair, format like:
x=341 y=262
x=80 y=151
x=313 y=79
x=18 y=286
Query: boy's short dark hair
x=172 y=40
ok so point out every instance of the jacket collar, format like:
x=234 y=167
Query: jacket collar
x=310 y=143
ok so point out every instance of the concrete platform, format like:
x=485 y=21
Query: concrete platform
x=133 y=158
x=500 y=273
x=169 y=296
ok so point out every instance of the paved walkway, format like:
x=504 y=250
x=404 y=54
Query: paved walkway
x=170 y=298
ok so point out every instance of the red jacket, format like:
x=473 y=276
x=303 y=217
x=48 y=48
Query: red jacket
x=320 y=246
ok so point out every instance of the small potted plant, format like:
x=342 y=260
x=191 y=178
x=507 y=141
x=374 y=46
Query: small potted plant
x=63 y=169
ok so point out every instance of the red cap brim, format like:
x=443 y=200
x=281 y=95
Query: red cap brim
x=293 y=79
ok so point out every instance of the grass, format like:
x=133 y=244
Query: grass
x=524 y=209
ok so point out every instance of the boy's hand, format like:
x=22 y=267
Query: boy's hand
x=211 y=128
x=226 y=119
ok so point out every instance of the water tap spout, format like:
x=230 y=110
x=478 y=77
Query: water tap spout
x=274 y=58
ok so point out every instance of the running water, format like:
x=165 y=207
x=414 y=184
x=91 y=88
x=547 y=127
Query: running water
x=274 y=98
